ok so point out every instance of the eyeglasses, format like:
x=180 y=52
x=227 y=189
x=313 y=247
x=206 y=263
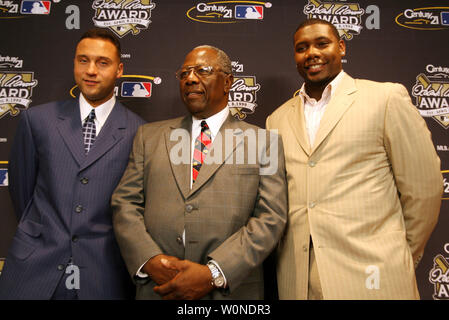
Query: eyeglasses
x=200 y=71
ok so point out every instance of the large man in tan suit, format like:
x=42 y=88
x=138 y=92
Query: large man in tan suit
x=197 y=230
x=364 y=180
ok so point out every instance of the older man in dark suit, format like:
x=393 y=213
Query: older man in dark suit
x=66 y=159
x=198 y=224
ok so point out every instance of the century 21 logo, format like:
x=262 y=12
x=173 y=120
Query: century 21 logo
x=429 y=18
x=228 y=11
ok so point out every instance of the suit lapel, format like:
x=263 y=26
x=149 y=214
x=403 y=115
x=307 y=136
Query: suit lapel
x=69 y=127
x=181 y=171
x=208 y=169
x=340 y=102
x=111 y=133
x=298 y=124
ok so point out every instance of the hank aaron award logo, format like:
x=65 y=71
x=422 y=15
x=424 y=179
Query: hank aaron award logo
x=439 y=276
x=242 y=96
x=123 y=16
x=431 y=91
x=228 y=11
x=16 y=89
x=429 y=18
x=346 y=17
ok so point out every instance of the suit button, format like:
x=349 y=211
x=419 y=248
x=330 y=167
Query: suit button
x=75 y=238
x=60 y=267
x=305 y=248
x=312 y=163
x=312 y=205
x=189 y=208
x=84 y=180
x=179 y=240
x=78 y=208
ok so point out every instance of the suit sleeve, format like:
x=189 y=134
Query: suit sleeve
x=23 y=165
x=416 y=168
x=128 y=205
x=267 y=123
x=249 y=247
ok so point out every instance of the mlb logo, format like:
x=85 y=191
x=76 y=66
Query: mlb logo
x=136 y=89
x=3 y=177
x=249 y=12
x=445 y=18
x=35 y=7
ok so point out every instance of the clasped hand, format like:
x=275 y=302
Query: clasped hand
x=179 y=279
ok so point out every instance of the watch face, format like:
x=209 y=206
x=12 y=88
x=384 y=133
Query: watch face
x=219 y=282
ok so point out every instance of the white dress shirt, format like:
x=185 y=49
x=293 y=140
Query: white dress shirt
x=101 y=112
x=314 y=110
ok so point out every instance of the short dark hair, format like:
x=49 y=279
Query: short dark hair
x=312 y=21
x=105 y=34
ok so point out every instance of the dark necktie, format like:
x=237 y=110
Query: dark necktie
x=202 y=145
x=89 y=131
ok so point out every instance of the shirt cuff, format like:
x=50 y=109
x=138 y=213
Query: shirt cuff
x=142 y=274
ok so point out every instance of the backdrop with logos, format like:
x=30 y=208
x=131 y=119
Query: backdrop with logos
x=399 y=41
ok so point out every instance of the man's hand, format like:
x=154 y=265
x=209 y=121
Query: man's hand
x=192 y=282
x=158 y=272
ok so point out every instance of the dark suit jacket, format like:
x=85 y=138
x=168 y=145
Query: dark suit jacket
x=233 y=214
x=62 y=199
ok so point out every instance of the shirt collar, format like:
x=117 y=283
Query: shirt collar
x=214 y=122
x=329 y=90
x=101 y=112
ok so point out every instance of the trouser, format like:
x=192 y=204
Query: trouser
x=314 y=292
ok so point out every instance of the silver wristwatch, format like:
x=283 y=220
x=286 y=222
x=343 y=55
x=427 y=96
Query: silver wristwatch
x=217 y=277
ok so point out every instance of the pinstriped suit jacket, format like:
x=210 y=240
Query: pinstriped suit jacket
x=50 y=176
x=232 y=214
x=368 y=193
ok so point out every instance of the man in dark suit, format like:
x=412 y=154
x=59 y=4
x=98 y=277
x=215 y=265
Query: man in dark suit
x=66 y=160
x=198 y=224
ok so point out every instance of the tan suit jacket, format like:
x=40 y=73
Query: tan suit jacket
x=368 y=193
x=232 y=214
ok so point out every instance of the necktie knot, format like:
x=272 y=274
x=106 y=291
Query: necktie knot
x=204 y=126
x=91 y=115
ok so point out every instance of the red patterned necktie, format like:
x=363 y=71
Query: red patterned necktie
x=202 y=144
